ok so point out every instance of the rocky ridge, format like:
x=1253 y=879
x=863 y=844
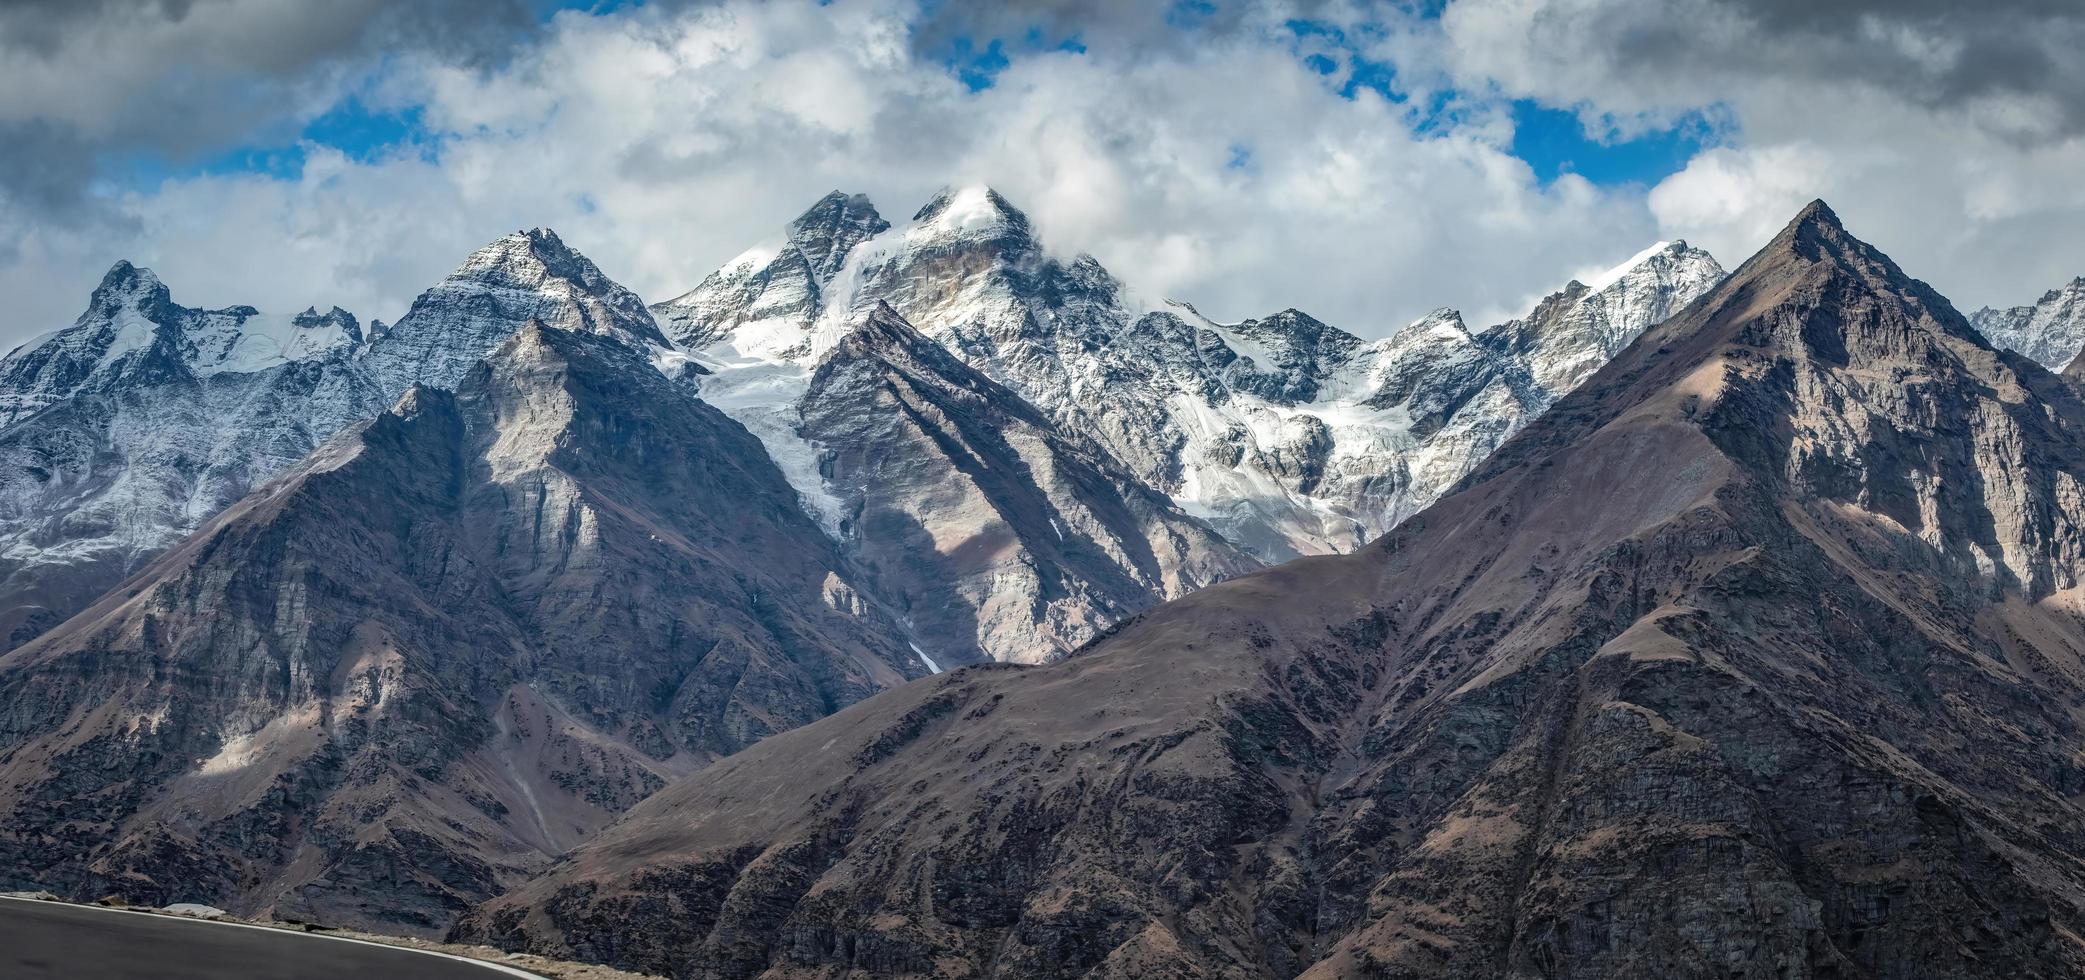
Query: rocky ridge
x=1287 y=435
x=1756 y=656
x=446 y=646
x=993 y=532
x=2051 y=332
x=129 y=429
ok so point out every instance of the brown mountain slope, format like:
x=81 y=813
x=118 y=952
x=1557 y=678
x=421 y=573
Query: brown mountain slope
x=453 y=642
x=1758 y=657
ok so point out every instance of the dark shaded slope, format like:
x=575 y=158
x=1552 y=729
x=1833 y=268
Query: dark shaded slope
x=453 y=641
x=1758 y=657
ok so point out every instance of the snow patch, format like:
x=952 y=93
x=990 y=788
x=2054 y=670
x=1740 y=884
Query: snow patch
x=1614 y=275
x=970 y=210
x=932 y=667
x=230 y=343
x=763 y=393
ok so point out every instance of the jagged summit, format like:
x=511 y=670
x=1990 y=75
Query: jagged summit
x=125 y=277
x=1051 y=539
x=971 y=210
x=2051 y=331
x=527 y=257
x=831 y=228
x=521 y=276
x=1290 y=435
x=133 y=287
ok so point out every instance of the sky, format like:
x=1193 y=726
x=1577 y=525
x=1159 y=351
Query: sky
x=1364 y=162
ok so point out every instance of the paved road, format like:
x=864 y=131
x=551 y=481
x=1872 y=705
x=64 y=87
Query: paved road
x=49 y=939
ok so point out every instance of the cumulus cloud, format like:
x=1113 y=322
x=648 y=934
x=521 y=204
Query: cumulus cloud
x=663 y=141
x=1190 y=147
x=1950 y=134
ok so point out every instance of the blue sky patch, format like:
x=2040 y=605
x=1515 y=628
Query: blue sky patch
x=1554 y=142
x=978 y=67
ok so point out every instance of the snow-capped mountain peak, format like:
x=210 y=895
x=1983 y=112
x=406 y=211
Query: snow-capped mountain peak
x=1290 y=435
x=831 y=228
x=2051 y=332
x=1605 y=279
x=133 y=332
x=128 y=285
x=769 y=296
x=515 y=278
x=972 y=210
x=1573 y=331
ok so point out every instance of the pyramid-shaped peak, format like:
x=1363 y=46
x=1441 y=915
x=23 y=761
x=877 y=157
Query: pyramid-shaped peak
x=971 y=208
x=882 y=330
x=130 y=286
x=421 y=398
x=1295 y=329
x=529 y=249
x=1816 y=223
x=835 y=209
x=1815 y=238
x=831 y=228
x=1445 y=318
x=884 y=321
x=535 y=260
x=124 y=278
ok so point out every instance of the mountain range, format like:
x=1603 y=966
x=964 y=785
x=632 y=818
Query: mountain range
x=1756 y=656
x=378 y=626
x=1175 y=451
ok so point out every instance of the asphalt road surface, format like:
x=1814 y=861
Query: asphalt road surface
x=50 y=939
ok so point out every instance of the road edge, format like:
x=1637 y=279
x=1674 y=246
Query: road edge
x=511 y=971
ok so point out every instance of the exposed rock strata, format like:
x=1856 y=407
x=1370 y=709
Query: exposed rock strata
x=451 y=643
x=1758 y=656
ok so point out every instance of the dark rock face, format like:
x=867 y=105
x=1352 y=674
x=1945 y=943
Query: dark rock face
x=831 y=228
x=1758 y=656
x=787 y=285
x=453 y=642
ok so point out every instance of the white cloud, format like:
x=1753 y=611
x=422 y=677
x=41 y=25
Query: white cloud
x=1950 y=135
x=661 y=143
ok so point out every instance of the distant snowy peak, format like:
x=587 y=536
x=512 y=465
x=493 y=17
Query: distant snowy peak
x=831 y=228
x=1289 y=435
x=1288 y=356
x=777 y=291
x=973 y=211
x=1574 y=331
x=2051 y=332
x=527 y=275
x=133 y=332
